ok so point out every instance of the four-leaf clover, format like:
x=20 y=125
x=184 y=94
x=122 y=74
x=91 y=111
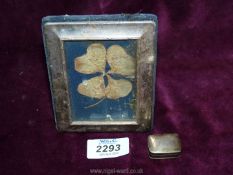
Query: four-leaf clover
x=95 y=61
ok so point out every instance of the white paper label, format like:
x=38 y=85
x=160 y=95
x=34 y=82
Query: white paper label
x=107 y=148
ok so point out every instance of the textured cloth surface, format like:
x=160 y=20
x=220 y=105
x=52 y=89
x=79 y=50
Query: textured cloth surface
x=194 y=90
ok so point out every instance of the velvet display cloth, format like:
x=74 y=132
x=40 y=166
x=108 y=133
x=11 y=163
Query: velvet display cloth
x=194 y=94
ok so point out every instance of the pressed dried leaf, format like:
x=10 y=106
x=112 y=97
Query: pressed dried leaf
x=120 y=62
x=93 y=87
x=117 y=88
x=93 y=61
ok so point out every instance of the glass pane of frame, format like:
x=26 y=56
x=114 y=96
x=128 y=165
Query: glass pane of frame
x=101 y=78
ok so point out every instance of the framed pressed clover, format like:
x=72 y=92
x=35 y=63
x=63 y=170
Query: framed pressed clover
x=102 y=71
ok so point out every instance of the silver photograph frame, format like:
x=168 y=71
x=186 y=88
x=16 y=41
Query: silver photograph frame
x=140 y=27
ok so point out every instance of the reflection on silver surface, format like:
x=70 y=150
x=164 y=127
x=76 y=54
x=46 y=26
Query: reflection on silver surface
x=163 y=146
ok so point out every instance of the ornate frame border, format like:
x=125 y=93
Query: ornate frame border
x=142 y=27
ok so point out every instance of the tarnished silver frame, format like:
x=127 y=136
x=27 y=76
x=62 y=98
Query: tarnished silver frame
x=143 y=28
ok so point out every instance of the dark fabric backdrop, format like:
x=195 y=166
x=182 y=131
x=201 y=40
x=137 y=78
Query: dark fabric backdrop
x=194 y=90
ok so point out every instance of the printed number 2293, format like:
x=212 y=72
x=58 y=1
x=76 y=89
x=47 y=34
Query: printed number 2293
x=108 y=148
